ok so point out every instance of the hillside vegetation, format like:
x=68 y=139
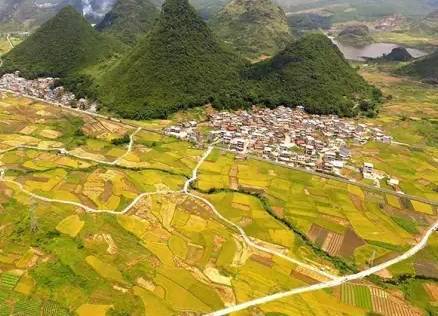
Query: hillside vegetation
x=360 y=10
x=26 y=15
x=398 y=54
x=129 y=20
x=355 y=35
x=425 y=69
x=312 y=72
x=60 y=47
x=304 y=22
x=252 y=27
x=427 y=25
x=208 y=8
x=178 y=64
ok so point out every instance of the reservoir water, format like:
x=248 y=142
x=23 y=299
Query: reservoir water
x=373 y=50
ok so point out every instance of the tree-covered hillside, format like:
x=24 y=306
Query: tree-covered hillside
x=425 y=69
x=208 y=8
x=252 y=27
x=178 y=64
x=60 y=47
x=355 y=35
x=360 y=10
x=26 y=15
x=129 y=20
x=312 y=72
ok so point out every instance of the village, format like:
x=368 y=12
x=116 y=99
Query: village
x=46 y=89
x=284 y=135
x=289 y=136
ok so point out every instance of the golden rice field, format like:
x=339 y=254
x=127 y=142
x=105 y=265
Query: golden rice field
x=170 y=254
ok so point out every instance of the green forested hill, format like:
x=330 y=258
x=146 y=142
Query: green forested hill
x=355 y=35
x=208 y=8
x=252 y=27
x=427 y=25
x=425 y=68
x=129 y=20
x=311 y=72
x=61 y=46
x=26 y=15
x=179 y=63
x=361 y=10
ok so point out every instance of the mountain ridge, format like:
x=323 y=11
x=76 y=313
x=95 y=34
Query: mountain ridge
x=263 y=27
x=312 y=72
x=61 y=46
x=425 y=69
x=129 y=20
x=179 y=63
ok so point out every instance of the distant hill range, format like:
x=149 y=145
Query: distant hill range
x=425 y=69
x=253 y=28
x=304 y=22
x=179 y=63
x=129 y=20
x=26 y=15
x=355 y=35
x=360 y=10
x=312 y=72
x=61 y=46
x=427 y=25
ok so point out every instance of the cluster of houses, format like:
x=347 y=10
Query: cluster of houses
x=288 y=136
x=46 y=89
x=187 y=131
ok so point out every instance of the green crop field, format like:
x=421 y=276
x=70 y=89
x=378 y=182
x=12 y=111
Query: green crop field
x=53 y=309
x=357 y=295
x=8 y=280
x=301 y=200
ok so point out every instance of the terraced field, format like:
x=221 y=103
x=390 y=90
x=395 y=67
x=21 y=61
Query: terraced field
x=131 y=241
x=357 y=224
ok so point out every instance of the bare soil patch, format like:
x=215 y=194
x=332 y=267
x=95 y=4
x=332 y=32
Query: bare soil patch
x=350 y=242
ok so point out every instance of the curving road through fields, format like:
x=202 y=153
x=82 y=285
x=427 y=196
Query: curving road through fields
x=332 y=283
x=333 y=280
x=185 y=190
